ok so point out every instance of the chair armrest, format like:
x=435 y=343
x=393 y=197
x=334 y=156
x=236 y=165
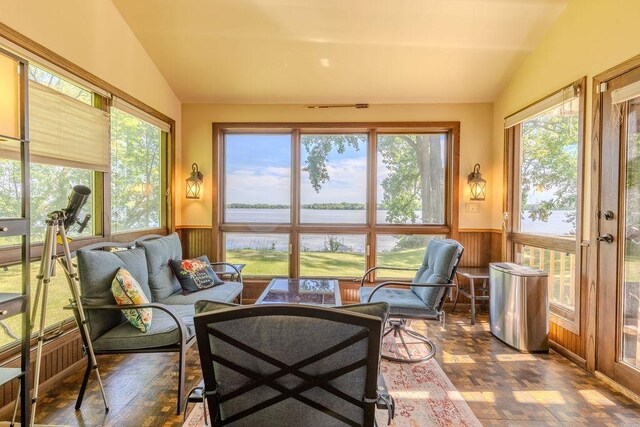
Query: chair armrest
x=230 y=265
x=371 y=270
x=409 y=284
x=179 y=322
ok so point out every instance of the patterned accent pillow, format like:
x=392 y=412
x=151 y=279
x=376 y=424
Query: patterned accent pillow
x=194 y=274
x=126 y=290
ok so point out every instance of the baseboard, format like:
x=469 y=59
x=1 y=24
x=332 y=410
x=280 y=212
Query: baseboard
x=618 y=387
x=568 y=354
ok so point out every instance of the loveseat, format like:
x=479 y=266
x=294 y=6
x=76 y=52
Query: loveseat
x=147 y=259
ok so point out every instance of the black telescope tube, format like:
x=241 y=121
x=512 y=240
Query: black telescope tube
x=77 y=200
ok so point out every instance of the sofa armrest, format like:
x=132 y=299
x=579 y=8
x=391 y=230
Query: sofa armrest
x=409 y=284
x=237 y=271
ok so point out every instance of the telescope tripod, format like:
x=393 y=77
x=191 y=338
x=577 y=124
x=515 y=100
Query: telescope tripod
x=55 y=227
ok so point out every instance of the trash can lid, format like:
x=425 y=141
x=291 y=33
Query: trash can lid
x=517 y=269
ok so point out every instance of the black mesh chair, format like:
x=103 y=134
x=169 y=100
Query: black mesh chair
x=291 y=365
x=421 y=299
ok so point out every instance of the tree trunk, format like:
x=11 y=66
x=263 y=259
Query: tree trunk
x=429 y=159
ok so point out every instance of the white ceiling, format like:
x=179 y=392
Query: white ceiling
x=338 y=51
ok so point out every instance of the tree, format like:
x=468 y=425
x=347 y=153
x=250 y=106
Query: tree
x=550 y=165
x=416 y=172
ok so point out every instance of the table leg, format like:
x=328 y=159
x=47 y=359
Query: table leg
x=473 y=301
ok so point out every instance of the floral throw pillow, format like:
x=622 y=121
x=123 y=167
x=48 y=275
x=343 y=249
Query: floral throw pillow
x=126 y=290
x=194 y=274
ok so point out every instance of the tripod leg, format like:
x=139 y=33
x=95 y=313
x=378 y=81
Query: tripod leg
x=75 y=295
x=46 y=265
x=83 y=387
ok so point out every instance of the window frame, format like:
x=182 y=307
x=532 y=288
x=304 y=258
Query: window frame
x=559 y=314
x=370 y=228
x=102 y=92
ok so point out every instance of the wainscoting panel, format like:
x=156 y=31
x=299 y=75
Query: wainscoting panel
x=59 y=357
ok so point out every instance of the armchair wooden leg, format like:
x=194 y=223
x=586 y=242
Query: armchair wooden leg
x=83 y=386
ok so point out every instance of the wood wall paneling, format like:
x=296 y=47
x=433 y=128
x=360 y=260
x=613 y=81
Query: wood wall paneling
x=60 y=357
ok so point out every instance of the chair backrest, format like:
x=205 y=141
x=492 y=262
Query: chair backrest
x=439 y=266
x=289 y=365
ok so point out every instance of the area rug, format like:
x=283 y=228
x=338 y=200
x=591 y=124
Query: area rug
x=423 y=393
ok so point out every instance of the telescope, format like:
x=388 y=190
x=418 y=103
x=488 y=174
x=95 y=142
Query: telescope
x=77 y=199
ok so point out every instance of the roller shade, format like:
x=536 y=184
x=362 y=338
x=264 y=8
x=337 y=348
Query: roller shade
x=136 y=112
x=626 y=93
x=546 y=104
x=64 y=131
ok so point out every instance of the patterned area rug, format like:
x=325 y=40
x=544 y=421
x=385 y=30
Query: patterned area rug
x=424 y=396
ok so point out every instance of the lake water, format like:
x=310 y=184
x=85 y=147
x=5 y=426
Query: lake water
x=309 y=242
x=311 y=216
x=556 y=224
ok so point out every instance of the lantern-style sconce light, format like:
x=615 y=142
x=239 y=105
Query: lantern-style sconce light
x=477 y=185
x=193 y=182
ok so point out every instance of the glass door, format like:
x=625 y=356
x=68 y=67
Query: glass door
x=630 y=281
x=618 y=240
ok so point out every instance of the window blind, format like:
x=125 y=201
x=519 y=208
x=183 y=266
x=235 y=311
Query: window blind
x=136 y=112
x=546 y=104
x=626 y=93
x=67 y=132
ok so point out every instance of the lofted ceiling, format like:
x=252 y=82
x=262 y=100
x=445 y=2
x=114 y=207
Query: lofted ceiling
x=338 y=51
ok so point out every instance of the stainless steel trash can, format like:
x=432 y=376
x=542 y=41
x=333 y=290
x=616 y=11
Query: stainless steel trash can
x=519 y=306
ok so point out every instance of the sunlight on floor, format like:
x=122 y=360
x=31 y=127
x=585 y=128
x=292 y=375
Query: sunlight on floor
x=485 y=327
x=506 y=357
x=411 y=394
x=456 y=358
x=478 y=396
x=539 y=396
x=594 y=397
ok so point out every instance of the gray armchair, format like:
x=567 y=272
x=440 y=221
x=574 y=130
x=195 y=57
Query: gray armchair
x=291 y=365
x=422 y=298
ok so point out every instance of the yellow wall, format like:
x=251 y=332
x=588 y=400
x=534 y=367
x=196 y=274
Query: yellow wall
x=475 y=140
x=590 y=37
x=93 y=35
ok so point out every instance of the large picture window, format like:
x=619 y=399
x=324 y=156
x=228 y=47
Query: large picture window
x=545 y=175
x=327 y=200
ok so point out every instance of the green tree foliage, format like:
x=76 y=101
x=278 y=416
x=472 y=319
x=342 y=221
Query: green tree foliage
x=135 y=173
x=550 y=164
x=416 y=177
x=416 y=172
x=318 y=148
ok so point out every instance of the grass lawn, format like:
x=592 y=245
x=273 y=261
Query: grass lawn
x=58 y=297
x=337 y=264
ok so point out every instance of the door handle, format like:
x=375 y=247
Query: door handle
x=605 y=238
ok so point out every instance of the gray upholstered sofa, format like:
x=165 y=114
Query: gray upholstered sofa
x=147 y=260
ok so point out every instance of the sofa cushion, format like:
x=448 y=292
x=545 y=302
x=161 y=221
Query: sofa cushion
x=97 y=269
x=205 y=306
x=226 y=292
x=159 y=251
x=163 y=332
x=194 y=274
x=437 y=267
x=127 y=291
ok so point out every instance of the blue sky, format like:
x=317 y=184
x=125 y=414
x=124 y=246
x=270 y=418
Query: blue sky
x=257 y=168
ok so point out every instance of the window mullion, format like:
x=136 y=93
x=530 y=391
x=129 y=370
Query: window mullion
x=294 y=235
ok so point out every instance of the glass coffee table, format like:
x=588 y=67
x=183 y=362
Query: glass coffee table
x=320 y=292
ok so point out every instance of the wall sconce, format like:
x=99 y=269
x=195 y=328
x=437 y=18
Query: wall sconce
x=477 y=185
x=193 y=182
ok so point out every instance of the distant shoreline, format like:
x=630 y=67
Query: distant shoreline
x=345 y=206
